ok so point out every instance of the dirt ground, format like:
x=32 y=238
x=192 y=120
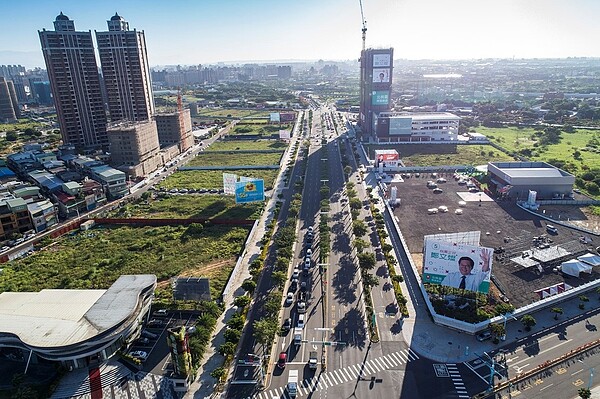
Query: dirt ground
x=577 y=216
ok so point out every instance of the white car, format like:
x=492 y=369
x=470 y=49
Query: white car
x=289 y=299
x=139 y=355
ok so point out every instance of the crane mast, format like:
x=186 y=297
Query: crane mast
x=364 y=25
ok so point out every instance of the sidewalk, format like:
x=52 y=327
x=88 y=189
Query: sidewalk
x=204 y=385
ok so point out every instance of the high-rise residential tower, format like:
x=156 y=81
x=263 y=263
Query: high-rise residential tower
x=73 y=74
x=9 y=109
x=126 y=73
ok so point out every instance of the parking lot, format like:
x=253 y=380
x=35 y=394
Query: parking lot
x=502 y=224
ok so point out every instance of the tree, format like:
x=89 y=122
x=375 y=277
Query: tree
x=236 y=322
x=366 y=261
x=227 y=349
x=11 y=136
x=242 y=301
x=360 y=244
x=370 y=280
x=232 y=335
x=264 y=331
x=272 y=305
x=278 y=278
x=528 y=321
x=584 y=393
x=359 y=228
x=219 y=373
x=249 y=285
x=556 y=312
x=386 y=248
x=497 y=329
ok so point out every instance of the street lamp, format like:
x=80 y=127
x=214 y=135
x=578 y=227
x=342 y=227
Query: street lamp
x=506 y=316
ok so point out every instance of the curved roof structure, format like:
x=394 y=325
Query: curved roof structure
x=51 y=320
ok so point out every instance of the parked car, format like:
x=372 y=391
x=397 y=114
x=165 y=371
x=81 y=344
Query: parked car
x=289 y=299
x=139 y=355
x=287 y=325
x=301 y=306
x=160 y=312
x=143 y=340
x=484 y=335
x=282 y=360
x=156 y=323
x=551 y=229
x=295 y=274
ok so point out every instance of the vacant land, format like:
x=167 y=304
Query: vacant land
x=166 y=206
x=574 y=148
x=439 y=155
x=210 y=179
x=230 y=145
x=232 y=113
x=96 y=258
x=235 y=159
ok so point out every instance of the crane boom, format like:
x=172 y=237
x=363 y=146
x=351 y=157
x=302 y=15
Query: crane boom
x=364 y=25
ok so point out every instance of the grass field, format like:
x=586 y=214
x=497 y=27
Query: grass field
x=214 y=178
x=514 y=139
x=431 y=155
x=190 y=206
x=232 y=113
x=247 y=145
x=96 y=258
x=235 y=159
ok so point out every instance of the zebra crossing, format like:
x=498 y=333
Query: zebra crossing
x=457 y=381
x=328 y=379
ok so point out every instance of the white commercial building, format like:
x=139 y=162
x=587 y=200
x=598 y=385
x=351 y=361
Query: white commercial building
x=393 y=127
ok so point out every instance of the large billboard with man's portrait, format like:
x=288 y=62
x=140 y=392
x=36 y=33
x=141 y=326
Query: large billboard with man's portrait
x=455 y=265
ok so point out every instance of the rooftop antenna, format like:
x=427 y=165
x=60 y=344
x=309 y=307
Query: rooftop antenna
x=364 y=25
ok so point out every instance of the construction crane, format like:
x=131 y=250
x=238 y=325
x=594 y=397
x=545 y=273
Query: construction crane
x=364 y=25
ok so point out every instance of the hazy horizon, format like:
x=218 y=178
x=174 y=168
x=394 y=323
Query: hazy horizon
x=236 y=31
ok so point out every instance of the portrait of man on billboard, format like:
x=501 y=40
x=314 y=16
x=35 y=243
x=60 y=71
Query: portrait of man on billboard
x=381 y=75
x=467 y=277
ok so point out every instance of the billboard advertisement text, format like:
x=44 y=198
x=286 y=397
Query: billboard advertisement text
x=380 y=97
x=457 y=265
x=381 y=60
x=229 y=180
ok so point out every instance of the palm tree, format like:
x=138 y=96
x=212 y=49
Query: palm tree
x=556 y=312
x=584 y=393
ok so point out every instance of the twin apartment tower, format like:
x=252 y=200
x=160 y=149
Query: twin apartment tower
x=79 y=91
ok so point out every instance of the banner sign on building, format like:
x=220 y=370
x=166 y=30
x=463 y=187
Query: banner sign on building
x=249 y=191
x=381 y=75
x=380 y=97
x=381 y=60
x=457 y=265
x=229 y=180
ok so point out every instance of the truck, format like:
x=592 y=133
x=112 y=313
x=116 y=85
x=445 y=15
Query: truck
x=312 y=360
x=292 y=385
x=297 y=336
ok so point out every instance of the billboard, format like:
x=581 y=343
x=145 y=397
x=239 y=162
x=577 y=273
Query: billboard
x=229 y=180
x=274 y=117
x=400 y=126
x=380 y=97
x=458 y=265
x=387 y=155
x=381 y=60
x=284 y=134
x=249 y=191
x=381 y=75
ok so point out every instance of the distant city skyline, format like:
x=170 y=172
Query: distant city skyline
x=230 y=31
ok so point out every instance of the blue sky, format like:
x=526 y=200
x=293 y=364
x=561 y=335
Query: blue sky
x=209 y=31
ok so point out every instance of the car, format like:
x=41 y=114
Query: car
x=289 y=299
x=143 y=341
x=160 y=312
x=282 y=360
x=295 y=274
x=432 y=211
x=551 y=229
x=294 y=285
x=458 y=212
x=190 y=329
x=301 y=321
x=443 y=208
x=287 y=325
x=303 y=286
x=148 y=334
x=310 y=229
x=301 y=307
x=484 y=335
x=473 y=190
x=156 y=323
x=308 y=252
x=307 y=263
x=141 y=355
x=437 y=191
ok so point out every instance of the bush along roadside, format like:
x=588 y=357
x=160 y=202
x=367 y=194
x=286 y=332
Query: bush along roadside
x=389 y=258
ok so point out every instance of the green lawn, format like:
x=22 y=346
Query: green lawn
x=515 y=140
x=232 y=113
x=235 y=159
x=96 y=258
x=190 y=206
x=214 y=178
x=230 y=145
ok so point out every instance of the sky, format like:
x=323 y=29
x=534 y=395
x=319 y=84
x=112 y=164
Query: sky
x=192 y=32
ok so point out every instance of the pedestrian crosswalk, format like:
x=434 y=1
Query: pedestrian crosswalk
x=341 y=376
x=457 y=381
